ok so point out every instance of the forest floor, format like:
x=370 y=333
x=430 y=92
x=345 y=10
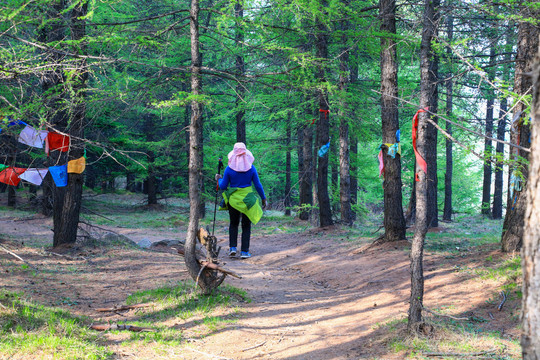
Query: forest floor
x=307 y=293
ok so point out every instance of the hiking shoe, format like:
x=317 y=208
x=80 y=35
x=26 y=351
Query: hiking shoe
x=245 y=255
x=232 y=252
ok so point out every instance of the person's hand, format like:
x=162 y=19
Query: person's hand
x=264 y=203
x=218 y=176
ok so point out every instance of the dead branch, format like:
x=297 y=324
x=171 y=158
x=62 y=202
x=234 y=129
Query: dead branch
x=123 y=307
x=213 y=266
x=503 y=296
x=440 y=354
x=95 y=213
x=107 y=327
x=448 y=316
x=254 y=346
x=18 y=257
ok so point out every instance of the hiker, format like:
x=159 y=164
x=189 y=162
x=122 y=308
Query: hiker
x=240 y=198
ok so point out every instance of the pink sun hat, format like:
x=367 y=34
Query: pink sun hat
x=240 y=158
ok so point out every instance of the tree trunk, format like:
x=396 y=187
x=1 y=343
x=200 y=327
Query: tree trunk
x=432 y=132
x=148 y=128
x=488 y=145
x=240 y=70
x=394 y=221
x=447 y=212
x=354 y=176
x=323 y=127
x=287 y=198
x=306 y=176
x=530 y=339
x=51 y=80
x=344 y=157
x=427 y=90
x=512 y=236
x=207 y=280
x=498 y=191
x=68 y=200
x=497 y=208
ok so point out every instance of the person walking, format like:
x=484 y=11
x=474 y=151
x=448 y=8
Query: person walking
x=243 y=202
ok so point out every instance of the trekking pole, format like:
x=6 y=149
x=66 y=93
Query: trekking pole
x=220 y=165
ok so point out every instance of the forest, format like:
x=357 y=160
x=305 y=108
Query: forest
x=397 y=144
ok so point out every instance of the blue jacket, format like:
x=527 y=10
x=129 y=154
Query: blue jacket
x=237 y=179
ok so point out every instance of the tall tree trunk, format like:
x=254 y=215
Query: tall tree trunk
x=394 y=221
x=68 y=200
x=207 y=280
x=512 y=236
x=240 y=70
x=354 y=176
x=432 y=132
x=52 y=32
x=530 y=339
x=287 y=198
x=488 y=145
x=323 y=126
x=415 y=320
x=149 y=127
x=497 y=208
x=447 y=212
x=344 y=157
x=300 y=152
x=498 y=191
x=306 y=175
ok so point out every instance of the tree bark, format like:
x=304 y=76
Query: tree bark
x=287 y=197
x=447 y=211
x=431 y=30
x=530 y=339
x=240 y=70
x=512 y=237
x=488 y=145
x=394 y=221
x=427 y=90
x=68 y=200
x=323 y=127
x=306 y=176
x=344 y=157
x=354 y=176
x=207 y=280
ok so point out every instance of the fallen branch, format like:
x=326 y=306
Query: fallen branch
x=503 y=296
x=18 y=257
x=448 y=316
x=122 y=308
x=107 y=327
x=213 y=266
x=66 y=256
x=254 y=346
x=440 y=354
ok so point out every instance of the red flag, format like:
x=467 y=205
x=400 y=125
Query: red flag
x=55 y=141
x=10 y=175
x=419 y=159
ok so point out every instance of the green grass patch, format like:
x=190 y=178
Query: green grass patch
x=450 y=336
x=29 y=329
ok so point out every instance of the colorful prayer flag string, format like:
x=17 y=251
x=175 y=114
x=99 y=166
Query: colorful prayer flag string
x=419 y=159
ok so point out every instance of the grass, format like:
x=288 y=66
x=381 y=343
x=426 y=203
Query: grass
x=449 y=336
x=27 y=329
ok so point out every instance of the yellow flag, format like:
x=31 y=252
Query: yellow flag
x=77 y=166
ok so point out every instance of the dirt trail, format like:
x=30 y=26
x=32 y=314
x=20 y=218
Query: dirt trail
x=312 y=297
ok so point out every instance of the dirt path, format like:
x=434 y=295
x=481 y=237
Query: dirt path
x=312 y=296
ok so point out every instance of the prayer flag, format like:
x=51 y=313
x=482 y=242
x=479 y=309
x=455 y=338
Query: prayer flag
x=419 y=159
x=76 y=166
x=10 y=175
x=55 y=141
x=59 y=175
x=34 y=176
x=32 y=137
x=324 y=149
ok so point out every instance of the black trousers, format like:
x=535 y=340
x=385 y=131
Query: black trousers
x=235 y=216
